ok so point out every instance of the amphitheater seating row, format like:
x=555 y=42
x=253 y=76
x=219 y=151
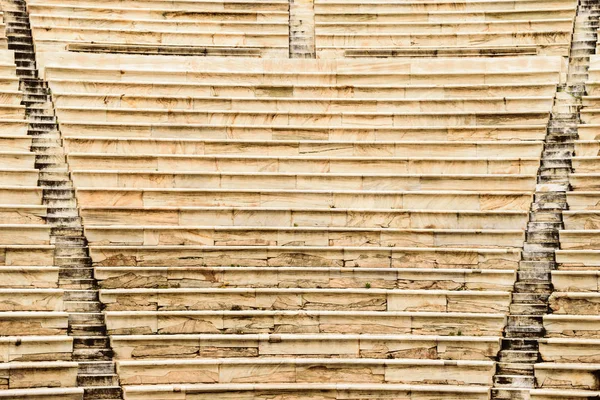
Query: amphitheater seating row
x=243 y=216
x=425 y=29
x=238 y=28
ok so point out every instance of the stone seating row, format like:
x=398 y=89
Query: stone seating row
x=377 y=28
x=222 y=26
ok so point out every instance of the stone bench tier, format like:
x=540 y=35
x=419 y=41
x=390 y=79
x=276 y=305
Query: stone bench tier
x=259 y=75
x=31 y=300
x=305 y=299
x=301 y=236
x=11 y=195
x=489 y=133
x=22 y=375
x=11 y=98
x=18 y=176
x=15 y=143
x=308 y=181
x=583 y=200
x=587 y=148
x=35 y=348
x=557 y=394
x=567 y=376
x=579 y=239
x=570 y=350
x=322 y=120
x=576 y=281
x=140 y=347
x=352 y=217
x=257 y=256
x=178 y=5
x=579 y=259
x=12 y=112
x=23 y=214
x=280 y=322
x=320 y=105
x=302 y=90
x=581 y=219
x=461 y=16
x=572 y=326
x=277 y=26
x=401 y=200
x=200 y=37
x=378 y=6
x=302 y=277
x=583 y=165
x=294 y=148
x=14 y=128
x=29 y=277
x=24 y=234
x=26 y=255
x=322 y=166
x=43 y=394
x=332 y=391
x=9 y=83
x=304 y=370
x=575 y=303
x=584 y=181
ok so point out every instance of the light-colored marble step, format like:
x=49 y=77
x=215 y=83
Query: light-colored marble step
x=26 y=255
x=307 y=148
x=305 y=299
x=300 y=90
x=316 y=370
x=31 y=299
x=358 y=166
x=38 y=348
x=272 y=5
x=254 y=256
x=42 y=277
x=376 y=181
x=141 y=347
x=339 y=322
x=15 y=323
x=286 y=104
x=24 y=375
x=576 y=281
x=416 y=200
x=572 y=326
x=324 y=120
x=575 y=303
x=301 y=236
x=43 y=394
x=569 y=350
x=306 y=277
x=333 y=391
x=23 y=214
x=562 y=394
x=580 y=376
x=139 y=130
x=351 y=217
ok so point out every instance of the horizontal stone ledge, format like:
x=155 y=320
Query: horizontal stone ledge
x=43 y=394
x=341 y=391
x=265 y=277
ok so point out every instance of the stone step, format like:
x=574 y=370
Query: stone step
x=539 y=275
x=510 y=394
x=102 y=392
x=519 y=356
x=88 y=342
x=87 y=380
x=77 y=284
x=528 y=309
x=92 y=354
x=519 y=344
x=533 y=287
x=537 y=265
x=87 y=330
x=96 y=368
x=81 y=295
x=88 y=318
x=514 y=381
x=524 y=332
x=515 y=369
x=83 y=306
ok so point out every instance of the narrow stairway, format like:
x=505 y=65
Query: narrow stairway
x=302 y=29
x=520 y=349
x=91 y=345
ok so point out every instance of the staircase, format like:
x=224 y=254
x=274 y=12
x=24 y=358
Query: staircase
x=302 y=29
x=520 y=350
x=91 y=345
